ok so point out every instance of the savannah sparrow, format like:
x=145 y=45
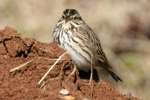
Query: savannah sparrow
x=82 y=44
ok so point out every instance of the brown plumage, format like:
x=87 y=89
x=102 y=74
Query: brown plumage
x=82 y=44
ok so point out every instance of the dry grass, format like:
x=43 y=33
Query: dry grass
x=123 y=27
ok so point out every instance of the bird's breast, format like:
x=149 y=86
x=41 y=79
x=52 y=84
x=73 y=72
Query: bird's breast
x=79 y=57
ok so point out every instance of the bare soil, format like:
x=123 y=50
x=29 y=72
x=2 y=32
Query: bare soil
x=22 y=84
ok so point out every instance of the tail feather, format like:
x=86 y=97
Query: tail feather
x=115 y=76
x=109 y=69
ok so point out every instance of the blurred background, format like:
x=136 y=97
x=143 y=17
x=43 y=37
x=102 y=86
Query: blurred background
x=123 y=27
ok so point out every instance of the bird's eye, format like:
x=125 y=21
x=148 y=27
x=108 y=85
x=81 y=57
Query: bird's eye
x=77 y=18
x=66 y=11
x=63 y=16
x=72 y=12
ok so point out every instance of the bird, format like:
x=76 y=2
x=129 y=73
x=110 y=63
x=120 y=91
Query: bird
x=74 y=35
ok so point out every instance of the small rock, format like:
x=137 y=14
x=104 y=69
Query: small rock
x=64 y=92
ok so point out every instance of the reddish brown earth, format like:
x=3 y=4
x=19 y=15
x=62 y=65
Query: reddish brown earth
x=22 y=84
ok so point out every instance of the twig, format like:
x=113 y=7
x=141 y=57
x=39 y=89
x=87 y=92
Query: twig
x=20 y=66
x=73 y=72
x=57 y=60
x=46 y=58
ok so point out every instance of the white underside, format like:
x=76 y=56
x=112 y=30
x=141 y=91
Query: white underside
x=79 y=60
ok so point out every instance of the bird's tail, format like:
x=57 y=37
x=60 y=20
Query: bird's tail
x=108 y=70
x=115 y=76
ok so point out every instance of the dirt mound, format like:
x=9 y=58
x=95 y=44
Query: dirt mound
x=22 y=84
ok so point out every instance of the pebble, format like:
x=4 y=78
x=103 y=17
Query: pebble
x=64 y=92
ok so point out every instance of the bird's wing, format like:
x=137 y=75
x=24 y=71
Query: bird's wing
x=91 y=40
x=94 y=44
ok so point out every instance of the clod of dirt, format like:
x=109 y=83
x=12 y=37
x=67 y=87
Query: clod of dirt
x=22 y=84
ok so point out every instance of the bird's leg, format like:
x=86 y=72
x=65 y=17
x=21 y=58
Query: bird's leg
x=57 y=60
x=91 y=74
x=91 y=79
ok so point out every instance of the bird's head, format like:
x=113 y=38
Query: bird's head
x=70 y=15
